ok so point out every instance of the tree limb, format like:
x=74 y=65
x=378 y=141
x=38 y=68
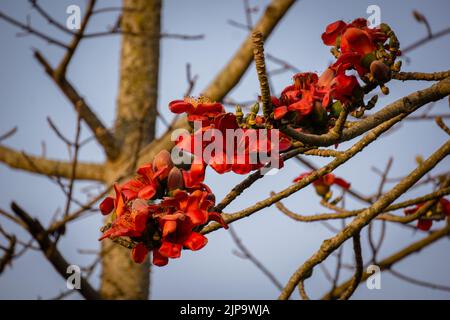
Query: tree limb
x=329 y=245
x=51 y=252
x=55 y=168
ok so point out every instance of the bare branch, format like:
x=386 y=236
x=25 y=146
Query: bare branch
x=248 y=255
x=30 y=30
x=51 y=252
x=258 y=55
x=55 y=168
x=329 y=245
x=393 y=259
x=102 y=134
x=358 y=267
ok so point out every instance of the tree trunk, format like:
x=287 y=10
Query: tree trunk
x=135 y=127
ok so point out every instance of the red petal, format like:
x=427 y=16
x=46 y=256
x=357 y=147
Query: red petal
x=332 y=32
x=195 y=241
x=140 y=220
x=445 y=206
x=179 y=106
x=119 y=201
x=158 y=259
x=303 y=107
x=357 y=40
x=139 y=253
x=215 y=216
x=147 y=192
x=198 y=217
x=300 y=177
x=275 y=101
x=410 y=211
x=169 y=227
x=424 y=225
x=170 y=250
x=342 y=183
x=280 y=112
x=209 y=108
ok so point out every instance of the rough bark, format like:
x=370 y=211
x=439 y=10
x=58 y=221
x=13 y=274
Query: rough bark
x=135 y=126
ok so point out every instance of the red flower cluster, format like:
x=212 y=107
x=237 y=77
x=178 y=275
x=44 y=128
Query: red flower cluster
x=323 y=184
x=442 y=208
x=314 y=99
x=362 y=48
x=311 y=96
x=229 y=141
x=167 y=226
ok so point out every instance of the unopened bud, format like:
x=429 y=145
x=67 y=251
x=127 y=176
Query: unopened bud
x=211 y=197
x=107 y=205
x=175 y=179
x=380 y=71
x=162 y=161
x=255 y=108
x=322 y=190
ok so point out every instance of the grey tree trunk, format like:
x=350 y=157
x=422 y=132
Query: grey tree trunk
x=121 y=278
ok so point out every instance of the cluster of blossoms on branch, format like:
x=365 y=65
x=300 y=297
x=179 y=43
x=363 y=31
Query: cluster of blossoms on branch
x=313 y=102
x=161 y=210
x=440 y=210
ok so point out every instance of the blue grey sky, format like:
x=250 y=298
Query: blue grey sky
x=28 y=97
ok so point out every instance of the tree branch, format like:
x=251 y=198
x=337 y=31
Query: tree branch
x=51 y=252
x=55 y=168
x=104 y=137
x=329 y=245
x=393 y=259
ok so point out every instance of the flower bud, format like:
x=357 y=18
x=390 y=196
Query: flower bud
x=162 y=161
x=323 y=190
x=175 y=179
x=380 y=71
x=211 y=197
x=255 y=108
x=107 y=205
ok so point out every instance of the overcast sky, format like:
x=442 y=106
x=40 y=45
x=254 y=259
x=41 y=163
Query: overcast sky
x=215 y=272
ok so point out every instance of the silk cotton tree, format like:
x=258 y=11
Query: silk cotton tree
x=156 y=208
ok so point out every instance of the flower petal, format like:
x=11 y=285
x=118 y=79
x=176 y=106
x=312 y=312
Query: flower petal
x=170 y=250
x=195 y=241
x=139 y=253
x=158 y=259
x=180 y=106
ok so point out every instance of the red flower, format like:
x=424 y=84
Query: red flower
x=130 y=222
x=357 y=40
x=184 y=213
x=197 y=108
x=323 y=184
x=139 y=253
x=110 y=203
x=332 y=32
x=328 y=180
x=279 y=112
x=145 y=185
x=445 y=206
x=422 y=224
x=343 y=87
x=426 y=224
